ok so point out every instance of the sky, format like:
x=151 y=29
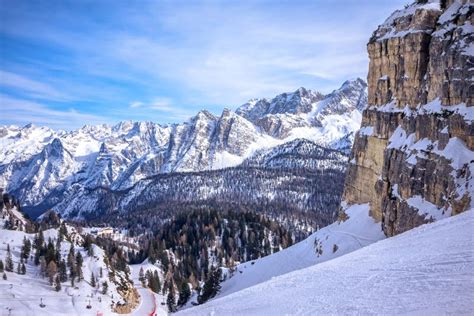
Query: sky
x=65 y=64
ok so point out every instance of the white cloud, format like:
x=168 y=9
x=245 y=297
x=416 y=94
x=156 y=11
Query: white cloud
x=23 y=112
x=136 y=104
x=257 y=54
x=30 y=87
x=161 y=105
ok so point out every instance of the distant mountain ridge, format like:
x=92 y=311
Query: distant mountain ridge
x=38 y=164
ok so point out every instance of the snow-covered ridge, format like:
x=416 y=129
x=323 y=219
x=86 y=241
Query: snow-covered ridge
x=37 y=162
x=398 y=22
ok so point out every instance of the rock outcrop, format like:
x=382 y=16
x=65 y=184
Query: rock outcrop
x=413 y=158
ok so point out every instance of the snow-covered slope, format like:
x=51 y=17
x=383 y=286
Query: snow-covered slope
x=327 y=243
x=326 y=120
x=37 y=164
x=22 y=294
x=287 y=191
x=428 y=270
x=298 y=154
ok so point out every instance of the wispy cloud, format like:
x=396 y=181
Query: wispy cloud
x=162 y=105
x=23 y=112
x=30 y=87
x=136 y=104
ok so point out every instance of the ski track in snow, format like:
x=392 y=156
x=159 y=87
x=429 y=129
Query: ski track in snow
x=149 y=301
x=428 y=270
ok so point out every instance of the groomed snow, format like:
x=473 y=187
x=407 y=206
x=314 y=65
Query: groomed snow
x=428 y=270
x=149 y=301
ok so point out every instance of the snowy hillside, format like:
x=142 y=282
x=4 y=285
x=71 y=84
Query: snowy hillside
x=423 y=271
x=298 y=154
x=298 y=175
x=38 y=164
x=329 y=242
x=22 y=293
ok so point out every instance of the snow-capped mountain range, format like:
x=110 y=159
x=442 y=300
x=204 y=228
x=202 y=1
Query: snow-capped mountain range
x=37 y=162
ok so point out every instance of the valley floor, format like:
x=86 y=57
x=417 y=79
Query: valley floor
x=428 y=270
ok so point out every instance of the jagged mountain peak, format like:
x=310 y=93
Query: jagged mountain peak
x=297 y=102
x=351 y=95
x=204 y=115
x=226 y=112
x=56 y=151
x=356 y=83
x=119 y=156
x=123 y=126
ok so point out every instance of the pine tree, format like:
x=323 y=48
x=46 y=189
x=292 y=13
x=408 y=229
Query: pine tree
x=57 y=284
x=151 y=254
x=60 y=237
x=79 y=261
x=39 y=240
x=62 y=270
x=88 y=246
x=23 y=269
x=50 y=254
x=8 y=260
x=62 y=231
x=18 y=268
x=157 y=281
x=70 y=256
x=37 y=256
x=184 y=294
x=93 y=284
x=1 y=266
x=141 y=276
x=153 y=281
x=171 y=300
x=26 y=248
x=105 y=287
x=211 y=286
x=443 y=4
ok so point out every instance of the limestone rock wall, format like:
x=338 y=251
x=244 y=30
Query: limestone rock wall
x=413 y=159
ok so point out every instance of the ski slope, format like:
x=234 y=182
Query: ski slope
x=428 y=270
x=358 y=231
x=150 y=302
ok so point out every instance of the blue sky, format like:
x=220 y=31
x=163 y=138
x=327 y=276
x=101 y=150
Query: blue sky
x=65 y=64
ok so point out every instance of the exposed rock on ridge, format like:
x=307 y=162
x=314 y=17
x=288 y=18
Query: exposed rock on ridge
x=413 y=158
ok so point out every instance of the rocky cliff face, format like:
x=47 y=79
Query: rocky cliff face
x=413 y=158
